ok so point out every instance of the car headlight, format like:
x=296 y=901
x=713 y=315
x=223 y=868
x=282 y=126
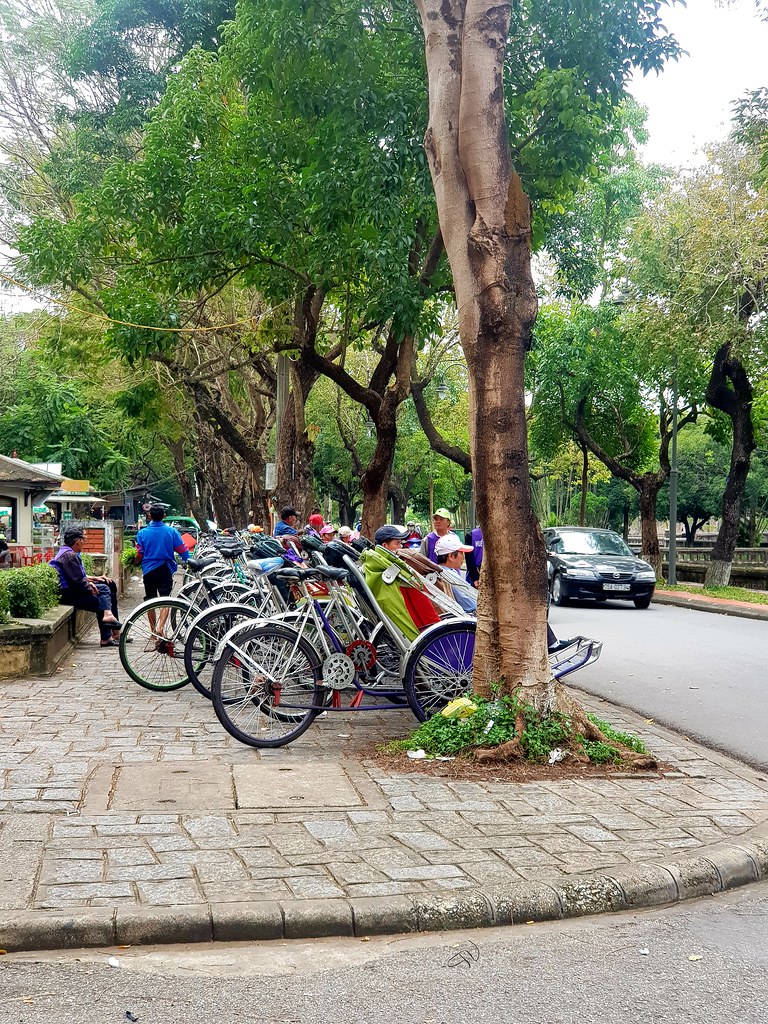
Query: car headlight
x=646 y=576
x=581 y=574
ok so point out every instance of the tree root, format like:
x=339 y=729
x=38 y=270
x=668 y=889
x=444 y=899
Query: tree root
x=564 y=703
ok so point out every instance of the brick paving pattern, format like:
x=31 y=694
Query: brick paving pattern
x=65 y=840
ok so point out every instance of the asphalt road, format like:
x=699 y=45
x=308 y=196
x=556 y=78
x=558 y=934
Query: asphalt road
x=702 y=961
x=704 y=675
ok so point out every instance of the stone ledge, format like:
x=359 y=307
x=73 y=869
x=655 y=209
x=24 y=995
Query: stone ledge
x=37 y=646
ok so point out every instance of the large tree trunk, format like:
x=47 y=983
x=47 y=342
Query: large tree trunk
x=485 y=222
x=729 y=389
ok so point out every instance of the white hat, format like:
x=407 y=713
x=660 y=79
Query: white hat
x=449 y=543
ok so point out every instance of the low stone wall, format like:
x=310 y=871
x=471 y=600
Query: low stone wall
x=754 y=577
x=35 y=647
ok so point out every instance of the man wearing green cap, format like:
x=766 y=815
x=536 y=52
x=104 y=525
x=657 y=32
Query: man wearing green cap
x=441 y=525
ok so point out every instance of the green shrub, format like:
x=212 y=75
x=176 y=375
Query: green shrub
x=89 y=564
x=5 y=601
x=129 y=556
x=494 y=722
x=30 y=591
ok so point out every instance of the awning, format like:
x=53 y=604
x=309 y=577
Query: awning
x=75 y=499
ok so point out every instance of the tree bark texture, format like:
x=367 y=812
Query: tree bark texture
x=730 y=390
x=485 y=221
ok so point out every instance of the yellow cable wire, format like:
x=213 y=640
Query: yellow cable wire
x=122 y=323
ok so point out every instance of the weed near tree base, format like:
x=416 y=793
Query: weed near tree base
x=495 y=723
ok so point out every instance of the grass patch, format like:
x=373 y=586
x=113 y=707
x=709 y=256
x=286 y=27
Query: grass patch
x=494 y=723
x=729 y=593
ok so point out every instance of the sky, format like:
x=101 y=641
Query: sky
x=689 y=103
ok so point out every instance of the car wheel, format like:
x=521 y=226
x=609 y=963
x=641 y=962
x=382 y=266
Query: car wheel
x=558 y=591
x=642 y=602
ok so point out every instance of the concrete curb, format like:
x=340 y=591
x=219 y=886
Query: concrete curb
x=655 y=884
x=718 y=606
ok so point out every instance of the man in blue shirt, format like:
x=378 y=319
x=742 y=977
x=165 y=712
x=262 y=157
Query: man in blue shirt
x=157 y=546
x=286 y=524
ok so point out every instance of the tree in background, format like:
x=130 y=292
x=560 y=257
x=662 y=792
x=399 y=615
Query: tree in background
x=699 y=262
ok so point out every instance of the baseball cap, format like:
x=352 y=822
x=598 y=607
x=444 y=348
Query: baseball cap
x=329 y=528
x=316 y=521
x=344 y=531
x=287 y=511
x=442 y=512
x=449 y=543
x=385 y=533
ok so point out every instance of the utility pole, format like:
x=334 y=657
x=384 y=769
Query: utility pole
x=672 y=555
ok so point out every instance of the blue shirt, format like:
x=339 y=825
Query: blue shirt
x=157 y=544
x=281 y=528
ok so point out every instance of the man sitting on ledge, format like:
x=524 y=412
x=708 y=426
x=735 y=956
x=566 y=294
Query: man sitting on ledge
x=90 y=593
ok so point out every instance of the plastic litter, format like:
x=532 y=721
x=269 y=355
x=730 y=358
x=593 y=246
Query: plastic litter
x=130 y=1016
x=556 y=754
x=644 y=952
x=417 y=755
x=114 y=962
x=461 y=707
x=695 y=957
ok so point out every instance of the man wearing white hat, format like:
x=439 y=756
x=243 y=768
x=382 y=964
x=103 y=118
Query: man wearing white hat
x=450 y=552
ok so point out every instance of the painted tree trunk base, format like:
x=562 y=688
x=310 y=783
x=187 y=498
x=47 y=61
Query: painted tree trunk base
x=718 y=573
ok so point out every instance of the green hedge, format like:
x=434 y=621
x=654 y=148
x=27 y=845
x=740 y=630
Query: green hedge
x=28 y=593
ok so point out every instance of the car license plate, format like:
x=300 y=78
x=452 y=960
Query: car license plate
x=616 y=586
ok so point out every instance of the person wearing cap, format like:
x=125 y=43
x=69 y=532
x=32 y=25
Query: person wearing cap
x=449 y=552
x=90 y=593
x=328 y=532
x=315 y=524
x=390 y=537
x=345 y=533
x=157 y=546
x=441 y=522
x=286 y=524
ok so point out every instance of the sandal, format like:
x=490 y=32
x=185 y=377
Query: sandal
x=109 y=643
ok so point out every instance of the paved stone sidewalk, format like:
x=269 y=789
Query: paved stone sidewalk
x=113 y=796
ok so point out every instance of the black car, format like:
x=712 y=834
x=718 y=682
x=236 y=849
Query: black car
x=597 y=564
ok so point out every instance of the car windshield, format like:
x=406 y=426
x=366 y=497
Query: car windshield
x=592 y=544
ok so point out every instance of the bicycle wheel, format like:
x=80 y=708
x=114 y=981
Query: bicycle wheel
x=228 y=592
x=265 y=685
x=439 y=666
x=152 y=643
x=203 y=639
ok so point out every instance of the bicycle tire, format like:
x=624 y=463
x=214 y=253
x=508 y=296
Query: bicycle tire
x=152 y=660
x=272 y=657
x=439 y=666
x=203 y=638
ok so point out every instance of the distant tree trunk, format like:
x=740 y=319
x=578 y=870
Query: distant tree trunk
x=485 y=220
x=625 y=522
x=752 y=528
x=730 y=390
x=650 y=485
x=584 y=477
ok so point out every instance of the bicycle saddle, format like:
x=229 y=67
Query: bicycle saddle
x=319 y=572
x=231 y=552
x=196 y=564
x=310 y=543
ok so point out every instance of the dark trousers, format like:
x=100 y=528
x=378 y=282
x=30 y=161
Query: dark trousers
x=104 y=600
